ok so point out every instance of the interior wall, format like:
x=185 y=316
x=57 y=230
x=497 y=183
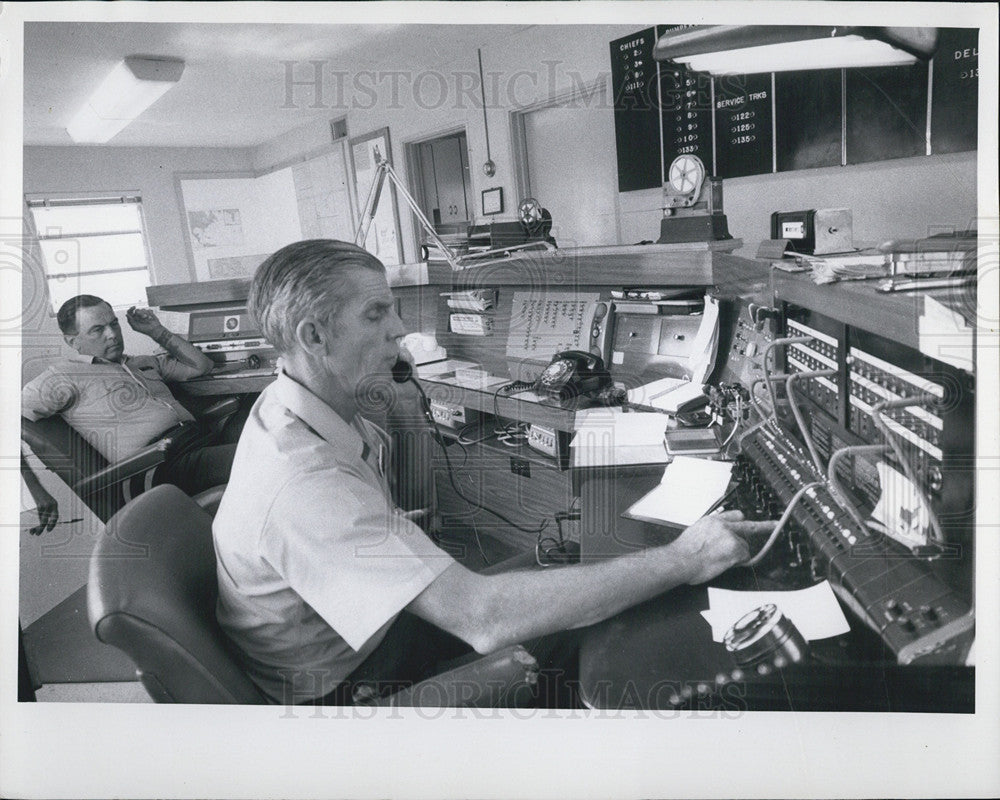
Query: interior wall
x=900 y=198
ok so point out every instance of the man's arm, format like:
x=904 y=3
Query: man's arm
x=490 y=612
x=47 y=395
x=146 y=322
x=45 y=503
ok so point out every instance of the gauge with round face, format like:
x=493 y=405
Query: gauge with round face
x=686 y=175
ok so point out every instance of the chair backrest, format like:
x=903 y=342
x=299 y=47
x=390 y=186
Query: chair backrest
x=66 y=453
x=152 y=594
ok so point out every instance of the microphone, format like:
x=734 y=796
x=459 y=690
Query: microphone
x=402 y=371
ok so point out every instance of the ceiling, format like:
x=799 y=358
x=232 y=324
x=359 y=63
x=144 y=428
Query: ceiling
x=233 y=87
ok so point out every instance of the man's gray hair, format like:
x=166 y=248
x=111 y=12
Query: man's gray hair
x=300 y=280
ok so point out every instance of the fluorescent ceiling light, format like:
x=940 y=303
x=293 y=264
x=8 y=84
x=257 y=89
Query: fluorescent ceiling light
x=735 y=49
x=128 y=90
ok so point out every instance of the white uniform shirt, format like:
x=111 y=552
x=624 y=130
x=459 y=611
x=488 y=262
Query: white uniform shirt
x=314 y=559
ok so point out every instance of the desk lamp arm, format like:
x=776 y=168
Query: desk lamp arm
x=384 y=170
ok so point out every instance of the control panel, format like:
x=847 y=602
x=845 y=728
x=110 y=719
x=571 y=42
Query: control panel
x=747 y=331
x=899 y=594
x=871 y=442
x=231 y=339
x=819 y=352
x=543 y=439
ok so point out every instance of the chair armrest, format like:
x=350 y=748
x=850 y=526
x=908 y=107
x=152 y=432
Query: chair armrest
x=210 y=498
x=507 y=678
x=146 y=459
x=219 y=410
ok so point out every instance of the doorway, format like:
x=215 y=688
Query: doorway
x=565 y=159
x=441 y=180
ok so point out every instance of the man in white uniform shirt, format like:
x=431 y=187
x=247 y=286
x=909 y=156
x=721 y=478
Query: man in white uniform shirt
x=316 y=563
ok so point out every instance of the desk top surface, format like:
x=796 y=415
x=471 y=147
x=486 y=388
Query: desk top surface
x=661 y=652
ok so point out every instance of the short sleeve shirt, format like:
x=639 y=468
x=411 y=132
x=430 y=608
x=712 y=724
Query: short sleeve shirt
x=314 y=559
x=118 y=407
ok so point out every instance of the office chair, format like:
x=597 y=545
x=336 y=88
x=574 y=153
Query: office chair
x=159 y=609
x=106 y=487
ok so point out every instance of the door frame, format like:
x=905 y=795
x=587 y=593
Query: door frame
x=518 y=139
x=415 y=174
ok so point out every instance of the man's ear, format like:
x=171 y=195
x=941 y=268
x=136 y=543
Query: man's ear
x=71 y=340
x=311 y=337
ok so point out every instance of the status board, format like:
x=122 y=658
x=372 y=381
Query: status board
x=774 y=122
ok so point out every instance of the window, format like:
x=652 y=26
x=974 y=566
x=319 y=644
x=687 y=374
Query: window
x=92 y=246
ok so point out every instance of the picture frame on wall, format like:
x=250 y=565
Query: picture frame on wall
x=384 y=240
x=493 y=201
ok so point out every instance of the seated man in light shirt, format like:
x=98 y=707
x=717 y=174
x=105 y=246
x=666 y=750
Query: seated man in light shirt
x=119 y=403
x=323 y=583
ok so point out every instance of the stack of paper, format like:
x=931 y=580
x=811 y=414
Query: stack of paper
x=688 y=489
x=814 y=611
x=850 y=267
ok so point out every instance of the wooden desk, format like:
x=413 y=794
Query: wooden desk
x=660 y=654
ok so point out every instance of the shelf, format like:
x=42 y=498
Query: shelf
x=688 y=264
x=201 y=295
x=894 y=316
x=493 y=448
x=530 y=411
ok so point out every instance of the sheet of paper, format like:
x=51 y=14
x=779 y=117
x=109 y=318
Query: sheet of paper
x=647 y=394
x=814 y=611
x=609 y=437
x=622 y=429
x=706 y=342
x=901 y=507
x=689 y=487
x=945 y=334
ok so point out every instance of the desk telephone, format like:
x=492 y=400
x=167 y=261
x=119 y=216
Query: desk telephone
x=573 y=373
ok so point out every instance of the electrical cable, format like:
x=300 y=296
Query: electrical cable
x=461 y=436
x=736 y=423
x=479 y=544
x=782 y=521
x=787 y=340
x=797 y=412
x=426 y=406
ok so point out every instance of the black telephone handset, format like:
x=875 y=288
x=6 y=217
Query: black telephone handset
x=402 y=371
x=573 y=373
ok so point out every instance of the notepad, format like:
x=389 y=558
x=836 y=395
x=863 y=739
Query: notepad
x=688 y=489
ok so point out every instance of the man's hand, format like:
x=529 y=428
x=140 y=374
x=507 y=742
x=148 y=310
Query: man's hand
x=144 y=321
x=48 y=509
x=717 y=542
